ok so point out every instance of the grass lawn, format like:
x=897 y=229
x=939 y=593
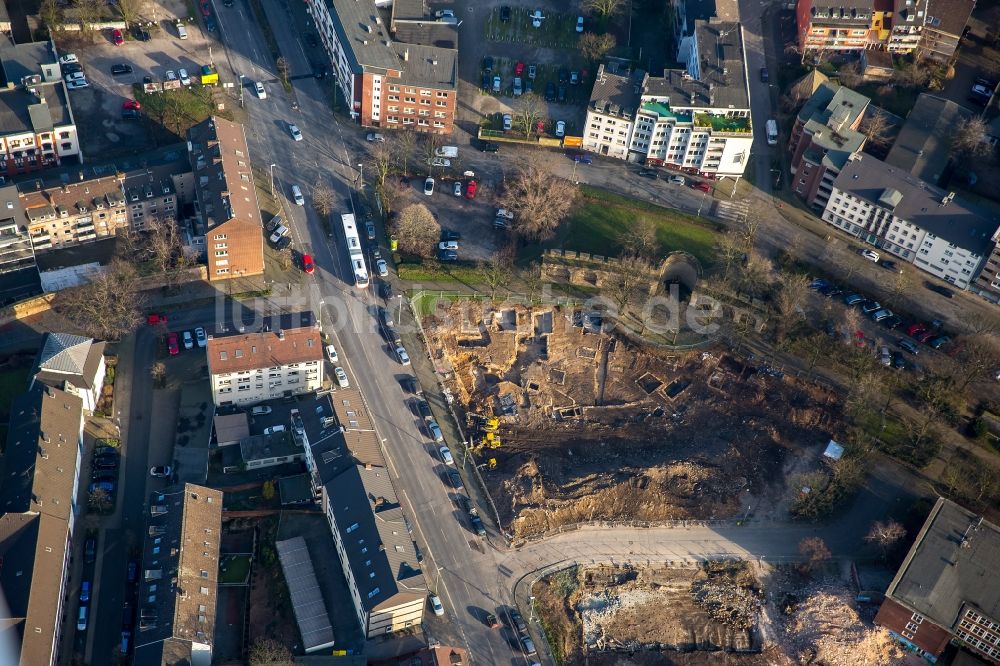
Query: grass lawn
x=237 y=568
x=431 y=271
x=12 y=383
x=598 y=223
x=558 y=30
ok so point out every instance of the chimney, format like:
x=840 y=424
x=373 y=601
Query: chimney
x=281 y=334
x=406 y=55
x=434 y=62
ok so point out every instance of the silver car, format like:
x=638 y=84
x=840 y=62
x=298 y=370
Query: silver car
x=295 y=132
x=341 y=377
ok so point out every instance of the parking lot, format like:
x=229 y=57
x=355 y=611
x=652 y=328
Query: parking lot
x=97 y=108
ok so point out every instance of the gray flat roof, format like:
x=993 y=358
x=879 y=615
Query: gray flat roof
x=261 y=447
x=616 y=94
x=428 y=65
x=952 y=563
x=924 y=144
x=20 y=60
x=307 y=600
x=21 y=111
x=363 y=34
x=428 y=33
x=918 y=202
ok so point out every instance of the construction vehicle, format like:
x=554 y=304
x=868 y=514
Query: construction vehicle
x=485 y=432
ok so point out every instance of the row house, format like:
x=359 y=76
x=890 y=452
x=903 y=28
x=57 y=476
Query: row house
x=74 y=212
x=893 y=210
x=695 y=120
x=389 y=83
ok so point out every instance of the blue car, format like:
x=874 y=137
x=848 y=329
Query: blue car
x=106 y=486
x=85 y=592
x=447 y=255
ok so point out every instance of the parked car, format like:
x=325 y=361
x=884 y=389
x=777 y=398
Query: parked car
x=508 y=122
x=184 y=77
x=497 y=83
x=172 y=348
x=489 y=147
x=436 y=605
x=574 y=78
x=582 y=158
x=939 y=341
x=132 y=571
x=90 y=550
x=938 y=289
x=579 y=24
x=455 y=479
x=561 y=94
x=457 y=188
x=341 y=377
x=429 y=186
x=81 y=619
x=117 y=38
x=505 y=13
x=131 y=114
x=649 y=173
x=199 y=337
x=890 y=265
x=488 y=64
x=884 y=357
x=155 y=319
x=763 y=75
x=677 y=180
x=385 y=290
x=106 y=486
x=447 y=255
x=120 y=69
x=518 y=621
x=331 y=354
x=370 y=229
x=446 y=456
x=297 y=196
x=532 y=72
x=470 y=189
x=560 y=128
x=307 y=264
x=448 y=245
x=161 y=471
x=131 y=104
x=263 y=410
x=295 y=132
x=880 y=315
x=423 y=409
x=870 y=306
x=702 y=185
x=528 y=645
x=550 y=92
x=853 y=299
x=435 y=430
x=375 y=137
x=258 y=88
x=870 y=255
x=906 y=345
x=85 y=592
x=916 y=329
x=188 y=340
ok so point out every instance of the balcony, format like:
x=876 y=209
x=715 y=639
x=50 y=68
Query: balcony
x=722 y=124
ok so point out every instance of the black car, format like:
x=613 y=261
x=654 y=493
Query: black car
x=563 y=75
x=131 y=114
x=888 y=264
x=562 y=94
x=121 y=68
x=141 y=34
x=147 y=79
x=763 y=75
x=486 y=82
x=423 y=408
x=649 y=173
x=319 y=71
x=283 y=242
x=409 y=384
x=550 y=92
x=449 y=235
x=105 y=451
x=505 y=13
x=447 y=255
x=898 y=361
x=529 y=86
x=90 y=550
x=488 y=64
x=104 y=475
x=311 y=40
x=385 y=290
x=489 y=147
x=227 y=3
x=105 y=463
x=892 y=322
x=209 y=25
x=456 y=479
x=133 y=571
x=71 y=68
x=938 y=289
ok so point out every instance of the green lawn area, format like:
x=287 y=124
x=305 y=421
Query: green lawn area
x=558 y=29
x=12 y=383
x=236 y=569
x=601 y=219
x=432 y=271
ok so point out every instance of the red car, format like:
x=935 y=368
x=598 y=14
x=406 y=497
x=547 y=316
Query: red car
x=916 y=329
x=131 y=104
x=307 y=264
x=117 y=37
x=926 y=335
x=470 y=190
x=704 y=187
x=155 y=319
x=172 y=346
x=519 y=68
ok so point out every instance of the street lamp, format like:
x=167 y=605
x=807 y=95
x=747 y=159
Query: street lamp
x=361 y=174
x=241 y=91
x=272 y=179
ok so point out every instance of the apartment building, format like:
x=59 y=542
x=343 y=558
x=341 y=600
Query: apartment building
x=823 y=138
x=943 y=27
x=74 y=364
x=923 y=145
x=987 y=283
x=157 y=192
x=417 y=81
x=37 y=128
x=284 y=358
x=179 y=578
x=947 y=590
x=838 y=25
x=377 y=554
x=695 y=120
x=19 y=277
x=74 y=212
x=908 y=17
x=887 y=207
x=38 y=511
x=226 y=199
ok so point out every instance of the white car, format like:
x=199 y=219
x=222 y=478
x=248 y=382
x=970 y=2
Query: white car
x=446 y=455
x=341 y=377
x=561 y=128
x=171 y=76
x=448 y=245
x=69 y=58
x=429 y=186
x=259 y=89
x=439 y=162
x=579 y=24
x=73 y=85
x=382 y=268
x=505 y=214
x=458 y=188
x=436 y=605
x=295 y=132
x=75 y=76
x=297 y=196
x=374 y=137
x=536 y=18
x=870 y=255
x=442 y=13
x=677 y=180
x=331 y=353
x=404 y=358
x=200 y=337
x=279 y=233
x=188 y=340
x=183 y=74
x=508 y=122
x=260 y=411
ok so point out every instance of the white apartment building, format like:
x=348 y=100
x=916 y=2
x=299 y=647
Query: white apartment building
x=901 y=214
x=696 y=120
x=248 y=368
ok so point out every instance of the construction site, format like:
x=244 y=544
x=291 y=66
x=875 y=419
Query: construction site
x=572 y=423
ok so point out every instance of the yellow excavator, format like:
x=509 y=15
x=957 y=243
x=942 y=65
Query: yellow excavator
x=486 y=437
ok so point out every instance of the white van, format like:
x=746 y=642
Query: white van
x=446 y=151
x=181 y=31
x=274 y=429
x=772 y=132
x=297 y=195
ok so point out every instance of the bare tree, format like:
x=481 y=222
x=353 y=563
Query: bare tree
x=51 y=14
x=528 y=110
x=912 y=75
x=90 y=13
x=380 y=163
x=603 y=8
x=969 y=138
x=497 y=270
x=624 y=285
x=394 y=195
x=130 y=10
x=814 y=552
x=639 y=240
x=749 y=227
x=417 y=231
x=431 y=143
x=100 y=500
x=850 y=75
x=755 y=274
x=401 y=146
x=789 y=302
x=531 y=278
x=282 y=65
x=159 y=374
x=269 y=652
x=900 y=284
x=875 y=126
x=539 y=200
x=323 y=198
x=981 y=322
x=594 y=47
x=730 y=254
x=162 y=242
x=979 y=358
x=108 y=307
x=885 y=534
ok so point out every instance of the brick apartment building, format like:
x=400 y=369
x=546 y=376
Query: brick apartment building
x=226 y=199
x=823 y=137
x=75 y=212
x=389 y=83
x=948 y=588
x=37 y=128
x=839 y=25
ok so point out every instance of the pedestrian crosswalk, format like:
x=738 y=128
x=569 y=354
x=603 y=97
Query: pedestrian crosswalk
x=732 y=210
